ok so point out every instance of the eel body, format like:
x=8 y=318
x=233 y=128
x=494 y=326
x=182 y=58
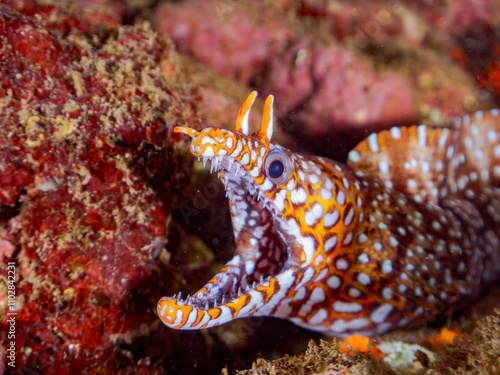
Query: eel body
x=406 y=231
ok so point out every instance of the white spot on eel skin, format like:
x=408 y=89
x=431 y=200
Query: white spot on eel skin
x=331 y=243
x=331 y=219
x=492 y=136
x=333 y=282
x=298 y=196
x=422 y=135
x=342 y=264
x=349 y=217
x=363 y=258
x=318 y=317
x=326 y=194
x=395 y=133
x=373 y=142
x=386 y=266
x=354 y=293
x=209 y=152
x=381 y=313
x=383 y=166
x=238 y=149
x=364 y=279
x=340 y=325
x=341 y=197
x=245 y=160
x=354 y=156
x=347 y=307
x=387 y=293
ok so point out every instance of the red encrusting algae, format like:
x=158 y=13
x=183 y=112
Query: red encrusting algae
x=86 y=158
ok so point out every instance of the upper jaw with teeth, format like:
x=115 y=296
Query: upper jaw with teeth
x=219 y=163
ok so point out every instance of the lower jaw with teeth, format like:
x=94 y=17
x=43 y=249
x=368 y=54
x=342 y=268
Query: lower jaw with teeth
x=199 y=312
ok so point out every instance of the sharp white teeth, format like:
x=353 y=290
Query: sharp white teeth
x=205 y=160
x=215 y=304
x=253 y=285
x=261 y=279
x=223 y=300
x=239 y=291
x=206 y=305
x=247 y=288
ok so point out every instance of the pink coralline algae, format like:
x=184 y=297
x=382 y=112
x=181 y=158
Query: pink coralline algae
x=466 y=30
x=86 y=158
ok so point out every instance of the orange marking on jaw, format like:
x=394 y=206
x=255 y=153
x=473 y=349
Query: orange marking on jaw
x=186 y=310
x=214 y=314
x=170 y=316
x=199 y=315
x=239 y=304
x=268 y=290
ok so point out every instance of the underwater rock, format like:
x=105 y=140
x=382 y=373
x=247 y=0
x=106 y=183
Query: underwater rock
x=86 y=162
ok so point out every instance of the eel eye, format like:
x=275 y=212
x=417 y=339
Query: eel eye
x=278 y=167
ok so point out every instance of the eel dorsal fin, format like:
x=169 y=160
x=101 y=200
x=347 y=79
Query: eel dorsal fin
x=411 y=160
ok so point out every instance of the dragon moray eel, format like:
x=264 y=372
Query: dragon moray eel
x=407 y=231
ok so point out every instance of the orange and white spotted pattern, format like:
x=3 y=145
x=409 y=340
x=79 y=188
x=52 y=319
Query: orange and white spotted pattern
x=407 y=230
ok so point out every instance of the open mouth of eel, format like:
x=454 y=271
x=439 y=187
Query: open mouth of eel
x=248 y=283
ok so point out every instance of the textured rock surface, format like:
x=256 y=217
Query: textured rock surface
x=86 y=160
